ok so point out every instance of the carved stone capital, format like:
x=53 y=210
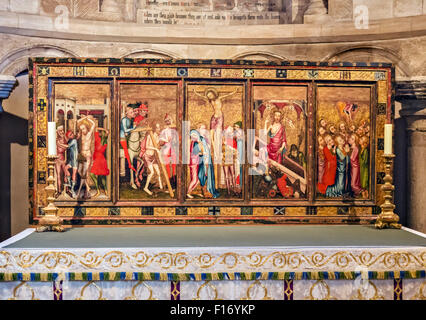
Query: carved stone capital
x=7 y=83
x=316 y=12
x=411 y=90
x=316 y=7
x=412 y=95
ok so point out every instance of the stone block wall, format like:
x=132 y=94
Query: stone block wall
x=213 y=12
x=24 y=6
x=379 y=9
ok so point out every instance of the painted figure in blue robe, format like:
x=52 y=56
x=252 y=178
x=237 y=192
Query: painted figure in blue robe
x=200 y=149
x=342 y=184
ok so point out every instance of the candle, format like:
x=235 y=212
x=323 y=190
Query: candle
x=51 y=138
x=388 y=138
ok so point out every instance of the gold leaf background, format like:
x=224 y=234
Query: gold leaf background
x=329 y=96
x=198 y=112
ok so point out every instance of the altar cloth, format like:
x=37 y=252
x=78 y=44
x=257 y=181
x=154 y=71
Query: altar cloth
x=209 y=256
x=222 y=236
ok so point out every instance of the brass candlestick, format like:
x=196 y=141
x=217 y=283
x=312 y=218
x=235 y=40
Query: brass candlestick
x=50 y=221
x=388 y=218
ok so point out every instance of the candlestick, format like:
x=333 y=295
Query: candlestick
x=388 y=138
x=50 y=221
x=51 y=138
x=388 y=218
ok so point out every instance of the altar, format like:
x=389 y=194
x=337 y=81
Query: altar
x=240 y=262
x=211 y=180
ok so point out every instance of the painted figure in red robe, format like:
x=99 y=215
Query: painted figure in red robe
x=330 y=165
x=277 y=137
x=355 y=167
x=100 y=169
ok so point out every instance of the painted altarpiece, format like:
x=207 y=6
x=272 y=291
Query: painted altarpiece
x=209 y=141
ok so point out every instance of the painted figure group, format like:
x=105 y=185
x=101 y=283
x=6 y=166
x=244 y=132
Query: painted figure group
x=81 y=156
x=201 y=163
x=217 y=154
x=154 y=149
x=284 y=165
x=277 y=141
x=343 y=159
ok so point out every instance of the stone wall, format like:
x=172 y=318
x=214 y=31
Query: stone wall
x=162 y=11
x=407 y=54
x=214 y=12
x=392 y=8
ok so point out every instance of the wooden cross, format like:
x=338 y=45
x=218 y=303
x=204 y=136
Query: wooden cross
x=158 y=158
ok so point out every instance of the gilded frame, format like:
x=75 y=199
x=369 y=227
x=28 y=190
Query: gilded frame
x=379 y=76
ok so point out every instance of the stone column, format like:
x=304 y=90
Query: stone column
x=340 y=10
x=111 y=10
x=412 y=95
x=7 y=84
x=7 y=126
x=316 y=12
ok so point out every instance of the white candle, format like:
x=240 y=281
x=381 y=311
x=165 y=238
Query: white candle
x=51 y=138
x=388 y=138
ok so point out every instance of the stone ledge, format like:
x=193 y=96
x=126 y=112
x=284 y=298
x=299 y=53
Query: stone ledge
x=34 y=25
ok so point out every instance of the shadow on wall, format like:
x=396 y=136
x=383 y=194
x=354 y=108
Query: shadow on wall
x=13 y=129
x=400 y=170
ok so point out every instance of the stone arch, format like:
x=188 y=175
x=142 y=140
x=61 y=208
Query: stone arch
x=17 y=61
x=151 y=53
x=259 y=55
x=371 y=54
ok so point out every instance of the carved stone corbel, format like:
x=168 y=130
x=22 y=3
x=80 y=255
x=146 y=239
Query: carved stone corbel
x=7 y=83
